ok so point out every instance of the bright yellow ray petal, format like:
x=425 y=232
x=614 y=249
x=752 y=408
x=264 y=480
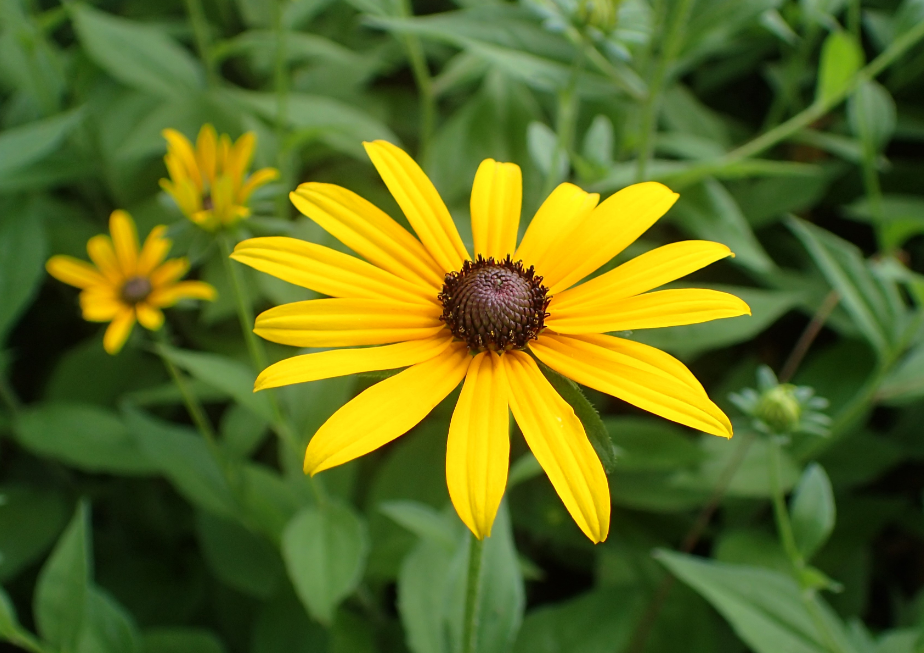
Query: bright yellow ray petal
x=662 y=308
x=100 y=304
x=240 y=156
x=103 y=256
x=169 y=272
x=74 y=272
x=340 y=362
x=369 y=232
x=179 y=145
x=478 y=448
x=150 y=317
x=347 y=322
x=154 y=251
x=259 y=178
x=327 y=271
x=125 y=241
x=420 y=202
x=559 y=214
x=170 y=294
x=643 y=273
x=386 y=410
x=557 y=439
x=616 y=223
x=635 y=375
x=119 y=330
x=207 y=151
x=496 y=198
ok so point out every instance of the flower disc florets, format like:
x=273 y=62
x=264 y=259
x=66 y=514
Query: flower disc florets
x=136 y=289
x=494 y=305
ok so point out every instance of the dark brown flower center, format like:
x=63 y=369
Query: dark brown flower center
x=135 y=290
x=494 y=305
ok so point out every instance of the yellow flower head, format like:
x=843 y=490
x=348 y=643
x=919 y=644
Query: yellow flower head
x=210 y=183
x=483 y=322
x=126 y=285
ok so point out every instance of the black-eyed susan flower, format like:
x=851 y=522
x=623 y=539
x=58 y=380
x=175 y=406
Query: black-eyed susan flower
x=210 y=183
x=429 y=306
x=125 y=284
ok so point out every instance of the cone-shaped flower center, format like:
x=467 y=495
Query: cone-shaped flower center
x=135 y=290
x=494 y=305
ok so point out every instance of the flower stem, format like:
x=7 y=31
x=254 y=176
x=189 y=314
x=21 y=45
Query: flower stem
x=780 y=512
x=472 y=594
x=281 y=84
x=203 y=43
x=424 y=81
x=193 y=407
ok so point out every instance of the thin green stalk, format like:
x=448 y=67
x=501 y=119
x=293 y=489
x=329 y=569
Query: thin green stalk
x=424 y=81
x=193 y=407
x=565 y=122
x=795 y=65
x=472 y=594
x=281 y=84
x=200 y=27
x=652 y=106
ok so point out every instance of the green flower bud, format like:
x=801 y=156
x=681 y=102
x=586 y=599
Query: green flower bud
x=779 y=408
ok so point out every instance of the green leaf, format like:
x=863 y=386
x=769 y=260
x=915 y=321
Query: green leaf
x=546 y=153
x=905 y=382
x=599 y=141
x=651 y=445
x=62 y=591
x=325 y=550
x=31 y=517
x=422 y=520
x=590 y=418
x=872 y=114
x=26 y=144
x=107 y=626
x=22 y=258
x=239 y=558
x=841 y=58
x=899 y=217
x=10 y=629
x=813 y=511
x=180 y=640
x=136 y=54
x=765 y=608
x=223 y=373
x=422 y=588
x=87 y=437
x=283 y=627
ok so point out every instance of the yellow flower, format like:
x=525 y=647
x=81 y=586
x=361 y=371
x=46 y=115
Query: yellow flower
x=448 y=317
x=210 y=183
x=125 y=284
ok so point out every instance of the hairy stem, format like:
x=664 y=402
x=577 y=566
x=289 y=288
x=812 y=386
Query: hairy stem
x=472 y=594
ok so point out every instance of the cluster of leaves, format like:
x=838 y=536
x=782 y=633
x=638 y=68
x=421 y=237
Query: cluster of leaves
x=123 y=531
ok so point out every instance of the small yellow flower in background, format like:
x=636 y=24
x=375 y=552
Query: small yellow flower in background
x=448 y=317
x=210 y=183
x=126 y=285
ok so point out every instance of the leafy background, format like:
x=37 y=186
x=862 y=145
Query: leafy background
x=793 y=131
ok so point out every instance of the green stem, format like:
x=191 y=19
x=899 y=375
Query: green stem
x=652 y=106
x=424 y=81
x=281 y=84
x=193 y=407
x=780 y=511
x=200 y=27
x=472 y=594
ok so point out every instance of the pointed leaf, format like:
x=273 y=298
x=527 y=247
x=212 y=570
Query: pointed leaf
x=813 y=511
x=841 y=58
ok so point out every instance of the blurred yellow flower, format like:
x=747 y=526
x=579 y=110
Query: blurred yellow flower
x=210 y=183
x=125 y=284
x=448 y=317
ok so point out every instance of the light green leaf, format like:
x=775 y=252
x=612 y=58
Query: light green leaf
x=136 y=54
x=422 y=520
x=841 y=58
x=872 y=114
x=239 y=558
x=651 y=445
x=107 y=627
x=180 y=640
x=87 y=437
x=905 y=382
x=10 y=629
x=325 y=550
x=765 y=608
x=899 y=218
x=422 y=588
x=26 y=144
x=599 y=141
x=30 y=519
x=545 y=151
x=22 y=257
x=62 y=591
x=813 y=510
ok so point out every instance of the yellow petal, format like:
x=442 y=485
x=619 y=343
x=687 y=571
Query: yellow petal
x=327 y=271
x=478 y=448
x=100 y=304
x=179 y=146
x=169 y=272
x=496 y=197
x=154 y=250
x=224 y=151
x=608 y=230
x=369 y=232
x=104 y=257
x=385 y=411
x=557 y=439
x=259 y=178
x=340 y=362
x=347 y=322
x=240 y=156
x=643 y=273
x=207 y=151
x=662 y=308
x=170 y=294
x=119 y=330
x=125 y=240
x=559 y=214
x=150 y=317
x=633 y=373
x=421 y=204
x=74 y=272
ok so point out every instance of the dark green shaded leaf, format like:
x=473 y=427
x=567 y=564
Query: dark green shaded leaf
x=107 y=626
x=180 y=640
x=22 y=257
x=30 y=520
x=10 y=629
x=24 y=145
x=239 y=558
x=651 y=445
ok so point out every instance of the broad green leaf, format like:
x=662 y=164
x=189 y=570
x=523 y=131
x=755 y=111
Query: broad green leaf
x=10 y=629
x=422 y=588
x=136 y=54
x=841 y=58
x=684 y=113
x=821 y=11
x=900 y=217
x=223 y=373
x=872 y=114
x=422 y=520
x=31 y=517
x=239 y=558
x=180 y=640
x=87 y=437
x=590 y=418
x=549 y=157
x=107 y=626
x=647 y=444
x=325 y=550
x=282 y=626
x=813 y=511
x=765 y=608
x=764 y=201
x=599 y=141
x=26 y=144
x=242 y=432
x=752 y=547
x=905 y=382
x=62 y=591
x=22 y=257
